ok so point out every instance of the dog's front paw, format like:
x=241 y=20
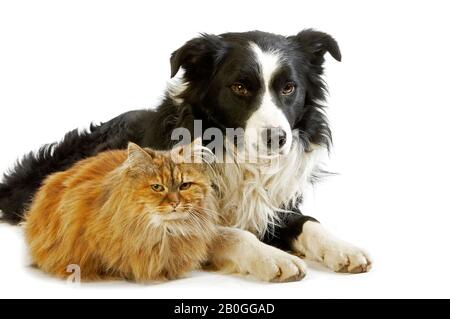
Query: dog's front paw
x=343 y=257
x=274 y=265
x=315 y=243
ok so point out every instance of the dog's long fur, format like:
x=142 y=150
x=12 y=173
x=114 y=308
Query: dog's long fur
x=249 y=199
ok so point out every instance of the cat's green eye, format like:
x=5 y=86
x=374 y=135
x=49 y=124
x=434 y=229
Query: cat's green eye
x=185 y=186
x=157 y=187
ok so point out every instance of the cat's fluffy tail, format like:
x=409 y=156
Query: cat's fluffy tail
x=21 y=183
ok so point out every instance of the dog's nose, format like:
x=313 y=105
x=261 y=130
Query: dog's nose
x=274 y=137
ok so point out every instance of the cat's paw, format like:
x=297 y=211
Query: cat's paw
x=274 y=265
x=346 y=258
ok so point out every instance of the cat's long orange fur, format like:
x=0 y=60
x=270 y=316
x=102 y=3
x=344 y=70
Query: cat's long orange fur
x=102 y=215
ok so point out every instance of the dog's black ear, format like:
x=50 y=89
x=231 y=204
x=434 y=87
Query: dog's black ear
x=198 y=56
x=315 y=44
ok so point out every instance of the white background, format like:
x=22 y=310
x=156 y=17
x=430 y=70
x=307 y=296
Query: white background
x=66 y=63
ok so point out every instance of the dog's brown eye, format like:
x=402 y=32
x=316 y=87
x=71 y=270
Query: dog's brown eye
x=185 y=186
x=240 y=89
x=288 y=89
x=157 y=187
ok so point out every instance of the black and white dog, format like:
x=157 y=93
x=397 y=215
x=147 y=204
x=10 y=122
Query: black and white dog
x=254 y=81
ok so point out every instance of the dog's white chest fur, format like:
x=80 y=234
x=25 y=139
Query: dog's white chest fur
x=252 y=196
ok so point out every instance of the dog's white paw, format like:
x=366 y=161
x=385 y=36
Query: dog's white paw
x=271 y=264
x=316 y=243
x=342 y=257
x=239 y=251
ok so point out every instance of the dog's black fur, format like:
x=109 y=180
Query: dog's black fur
x=211 y=63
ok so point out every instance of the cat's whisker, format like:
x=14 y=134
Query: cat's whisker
x=207 y=210
x=199 y=219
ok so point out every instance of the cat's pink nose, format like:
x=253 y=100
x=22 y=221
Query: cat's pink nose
x=173 y=204
x=173 y=199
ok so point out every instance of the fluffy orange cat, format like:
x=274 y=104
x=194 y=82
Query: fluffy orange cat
x=135 y=214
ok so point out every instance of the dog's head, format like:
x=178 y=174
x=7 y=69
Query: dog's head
x=266 y=84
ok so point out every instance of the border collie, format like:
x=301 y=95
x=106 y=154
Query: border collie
x=258 y=82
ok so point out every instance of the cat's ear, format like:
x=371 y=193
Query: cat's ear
x=197 y=144
x=190 y=153
x=137 y=156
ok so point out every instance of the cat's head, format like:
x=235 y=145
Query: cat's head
x=169 y=185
